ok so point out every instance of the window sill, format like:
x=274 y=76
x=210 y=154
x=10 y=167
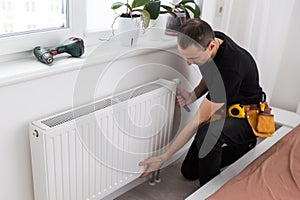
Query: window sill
x=26 y=67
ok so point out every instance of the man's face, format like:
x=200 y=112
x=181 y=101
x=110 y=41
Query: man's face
x=195 y=55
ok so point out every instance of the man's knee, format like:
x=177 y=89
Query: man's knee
x=188 y=174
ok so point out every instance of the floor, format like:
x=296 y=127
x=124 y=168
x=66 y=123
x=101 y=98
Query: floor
x=172 y=186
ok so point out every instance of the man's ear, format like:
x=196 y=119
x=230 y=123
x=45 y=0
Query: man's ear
x=211 y=45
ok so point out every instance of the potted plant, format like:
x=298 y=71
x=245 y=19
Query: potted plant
x=158 y=18
x=157 y=22
x=129 y=21
x=182 y=9
x=132 y=9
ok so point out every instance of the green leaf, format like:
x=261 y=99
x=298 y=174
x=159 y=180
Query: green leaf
x=145 y=17
x=190 y=8
x=184 y=7
x=117 y=5
x=169 y=10
x=129 y=8
x=138 y=3
x=187 y=1
x=194 y=11
x=181 y=6
x=197 y=12
x=187 y=14
x=153 y=7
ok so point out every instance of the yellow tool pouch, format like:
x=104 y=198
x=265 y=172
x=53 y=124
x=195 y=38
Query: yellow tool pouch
x=261 y=120
x=259 y=117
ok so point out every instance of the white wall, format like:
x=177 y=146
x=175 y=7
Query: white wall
x=28 y=101
x=269 y=30
x=286 y=92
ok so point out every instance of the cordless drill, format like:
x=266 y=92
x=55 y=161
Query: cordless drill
x=73 y=46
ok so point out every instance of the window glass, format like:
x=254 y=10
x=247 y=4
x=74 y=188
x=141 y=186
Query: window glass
x=26 y=16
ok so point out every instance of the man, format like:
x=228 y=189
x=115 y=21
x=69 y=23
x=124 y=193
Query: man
x=230 y=76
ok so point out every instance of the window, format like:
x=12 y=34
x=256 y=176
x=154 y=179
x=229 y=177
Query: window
x=25 y=24
x=27 y=16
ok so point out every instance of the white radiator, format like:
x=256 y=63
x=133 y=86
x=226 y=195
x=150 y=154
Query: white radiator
x=91 y=151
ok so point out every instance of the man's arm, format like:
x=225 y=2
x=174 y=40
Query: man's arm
x=205 y=111
x=187 y=98
x=201 y=89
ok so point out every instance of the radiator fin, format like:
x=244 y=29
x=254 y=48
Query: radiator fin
x=60 y=119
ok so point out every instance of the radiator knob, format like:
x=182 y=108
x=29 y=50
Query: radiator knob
x=35 y=133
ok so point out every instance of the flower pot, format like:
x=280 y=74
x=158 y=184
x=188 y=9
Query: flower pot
x=128 y=30
x=173 y=24
x=156 y=29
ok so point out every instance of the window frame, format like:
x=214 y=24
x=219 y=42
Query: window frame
x=26 y=42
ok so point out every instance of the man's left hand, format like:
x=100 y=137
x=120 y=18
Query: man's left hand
x=153 y=164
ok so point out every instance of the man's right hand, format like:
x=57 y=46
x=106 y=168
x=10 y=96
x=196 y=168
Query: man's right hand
x=184 y=97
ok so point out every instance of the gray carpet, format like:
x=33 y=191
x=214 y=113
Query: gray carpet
x=172 y=186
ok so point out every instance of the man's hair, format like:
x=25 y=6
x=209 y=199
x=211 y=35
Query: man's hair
x=195 y=31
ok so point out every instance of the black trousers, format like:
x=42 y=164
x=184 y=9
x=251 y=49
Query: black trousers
x=206 y=155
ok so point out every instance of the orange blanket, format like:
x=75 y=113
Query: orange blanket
x=273 y=175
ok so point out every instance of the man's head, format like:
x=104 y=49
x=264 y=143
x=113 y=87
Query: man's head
x=196 y=41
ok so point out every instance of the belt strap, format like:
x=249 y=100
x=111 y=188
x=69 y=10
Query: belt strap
x=239 y=111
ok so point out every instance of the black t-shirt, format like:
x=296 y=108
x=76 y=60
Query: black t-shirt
x=232 y=76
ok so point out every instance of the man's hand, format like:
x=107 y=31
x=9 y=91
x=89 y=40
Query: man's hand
x=184 y=97
x=153 y=164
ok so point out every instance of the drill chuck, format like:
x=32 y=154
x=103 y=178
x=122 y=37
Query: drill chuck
x=43 y=55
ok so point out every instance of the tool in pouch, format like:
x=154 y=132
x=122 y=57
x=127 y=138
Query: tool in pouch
x=237 y=111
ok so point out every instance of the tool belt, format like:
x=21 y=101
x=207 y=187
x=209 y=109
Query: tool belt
x=258 y=115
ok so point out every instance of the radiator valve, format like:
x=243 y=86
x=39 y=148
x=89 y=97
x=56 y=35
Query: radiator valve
x=35 y=133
